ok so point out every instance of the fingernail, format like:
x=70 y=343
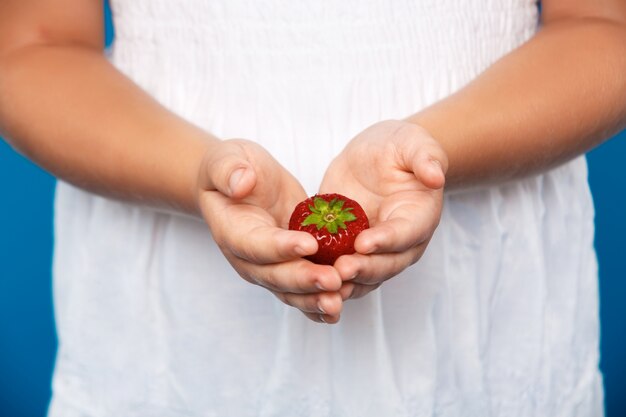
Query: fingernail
x=371 y=250
x=319 y=286
x=356 y=274
x=322 y=318
x=235 y=177
x=319 y=307
x=437 y=165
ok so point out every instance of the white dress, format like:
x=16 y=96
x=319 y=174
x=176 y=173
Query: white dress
x=499 y=318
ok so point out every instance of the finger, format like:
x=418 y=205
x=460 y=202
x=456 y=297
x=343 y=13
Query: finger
x=405 y=227
x=351 y=290
x=265 y=244
x=298 y=276
x=230 y=171
x=241 y=182
x=329 y=303
x=346 y=290
x=429 y=171
x=424 y=156
x=361 y=290
x=250 y=232
x=322 y=318
x=376 y=268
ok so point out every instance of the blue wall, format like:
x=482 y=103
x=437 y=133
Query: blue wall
x=27 y=338
x=607 y=177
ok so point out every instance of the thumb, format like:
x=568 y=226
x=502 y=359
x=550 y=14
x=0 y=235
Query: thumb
x=430 y=172
x=230 y=173
x=429 y=163
x=241 y=182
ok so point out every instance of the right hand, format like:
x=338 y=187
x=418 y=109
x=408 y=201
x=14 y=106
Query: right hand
x=246 y=198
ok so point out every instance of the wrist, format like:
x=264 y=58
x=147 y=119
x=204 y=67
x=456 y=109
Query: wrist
x=206 y=146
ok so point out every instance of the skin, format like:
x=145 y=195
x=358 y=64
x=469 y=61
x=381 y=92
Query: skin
x=57 y=91
x=520 y=117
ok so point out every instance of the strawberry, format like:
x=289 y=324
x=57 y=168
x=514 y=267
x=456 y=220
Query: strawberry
x=334 y=220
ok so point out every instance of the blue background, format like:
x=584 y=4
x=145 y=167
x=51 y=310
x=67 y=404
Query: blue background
x=27 y=337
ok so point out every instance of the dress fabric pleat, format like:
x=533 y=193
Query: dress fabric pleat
x=498 y=319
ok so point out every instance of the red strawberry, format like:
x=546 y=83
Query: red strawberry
x=334 y=220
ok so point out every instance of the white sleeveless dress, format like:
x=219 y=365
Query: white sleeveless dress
x=499 y=318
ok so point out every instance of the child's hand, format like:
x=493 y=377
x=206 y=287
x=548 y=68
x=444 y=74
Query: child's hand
x=246 y=198
x=396 y=171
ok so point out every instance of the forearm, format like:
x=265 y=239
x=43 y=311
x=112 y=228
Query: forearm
x=70 y=111
x=552 y=99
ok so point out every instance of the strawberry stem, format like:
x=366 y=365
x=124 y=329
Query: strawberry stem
x=331 y=215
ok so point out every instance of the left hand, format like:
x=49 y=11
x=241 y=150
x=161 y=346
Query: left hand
x=396 y=171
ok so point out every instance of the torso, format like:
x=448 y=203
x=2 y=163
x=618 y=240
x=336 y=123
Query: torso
x=498 y=318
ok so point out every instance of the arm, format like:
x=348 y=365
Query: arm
x=554 y=98
x=65 y=107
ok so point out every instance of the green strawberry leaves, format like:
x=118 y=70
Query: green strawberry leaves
x=327 y=214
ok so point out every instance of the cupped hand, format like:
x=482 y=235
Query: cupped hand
x=246 y=198
x=396 y=171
